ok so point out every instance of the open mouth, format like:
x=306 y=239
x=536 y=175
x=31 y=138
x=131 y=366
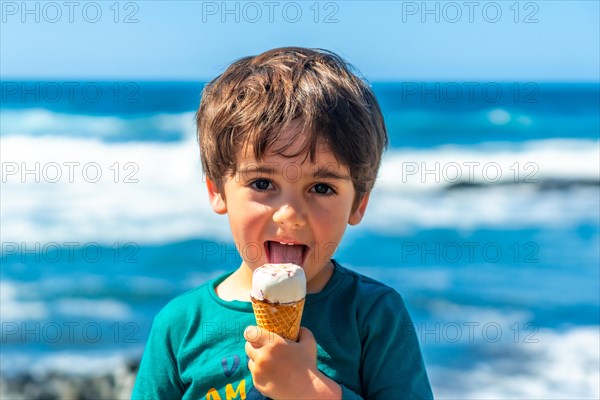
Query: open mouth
x=283 y=253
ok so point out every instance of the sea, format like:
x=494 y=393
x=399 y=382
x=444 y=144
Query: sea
x=485 y=217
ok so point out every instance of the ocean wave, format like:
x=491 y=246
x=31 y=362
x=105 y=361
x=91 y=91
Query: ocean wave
x=526 y=163
x=59 y=189
x=141 y=192
x=35 y=301
x=495 y=208
x=12 y=308
x=39 y=122
x=97 y=308
x=559 y=365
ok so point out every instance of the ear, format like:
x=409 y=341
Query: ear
x=357 y=215
x=216 y=197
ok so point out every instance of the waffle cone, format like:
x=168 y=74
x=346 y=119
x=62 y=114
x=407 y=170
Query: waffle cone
x=282 y=319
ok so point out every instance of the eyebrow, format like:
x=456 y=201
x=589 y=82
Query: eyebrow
x=319 y=173
x=326 y=173
x=258 y=170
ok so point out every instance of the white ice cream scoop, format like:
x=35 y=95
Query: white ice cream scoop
x=278 y=283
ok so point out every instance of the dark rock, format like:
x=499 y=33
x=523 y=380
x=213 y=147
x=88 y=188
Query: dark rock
x=63 y=386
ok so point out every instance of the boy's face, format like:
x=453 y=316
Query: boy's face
x=288 y=209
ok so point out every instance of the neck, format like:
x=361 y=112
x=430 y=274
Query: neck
x=318 y=282
x=236 y=286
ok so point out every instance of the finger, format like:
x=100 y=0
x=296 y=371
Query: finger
x=256 y=336
x=250 y=350
x=305 y=335
x=252 y=333
x=251 y=366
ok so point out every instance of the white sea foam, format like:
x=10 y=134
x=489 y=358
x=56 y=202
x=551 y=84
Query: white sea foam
x=41 y=122
x=561 y=365
x=100 y=308
x=164 y=201
x=159 y=195
x=24 y=301
x=12 y=308
x=495 y=207
x=418 y=170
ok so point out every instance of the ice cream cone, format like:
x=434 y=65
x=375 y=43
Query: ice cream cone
x=280 y=318
x=278 y=294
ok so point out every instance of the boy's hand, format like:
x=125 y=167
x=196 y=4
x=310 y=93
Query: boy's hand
x=282 y=369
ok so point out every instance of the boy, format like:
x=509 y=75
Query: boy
x=291 y=142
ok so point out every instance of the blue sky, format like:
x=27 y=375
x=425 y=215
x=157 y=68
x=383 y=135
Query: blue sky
x=387 y=40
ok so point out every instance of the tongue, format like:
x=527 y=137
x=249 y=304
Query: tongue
x=283 y=253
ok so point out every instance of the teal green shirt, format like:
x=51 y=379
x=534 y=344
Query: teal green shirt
x=366 y=342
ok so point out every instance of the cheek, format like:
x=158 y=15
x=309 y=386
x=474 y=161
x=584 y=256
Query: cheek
x=333 y=212
x=330 y=222
x=245 y=222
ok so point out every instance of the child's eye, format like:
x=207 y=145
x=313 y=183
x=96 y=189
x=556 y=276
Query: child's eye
x=260 y=184
x=324 y=189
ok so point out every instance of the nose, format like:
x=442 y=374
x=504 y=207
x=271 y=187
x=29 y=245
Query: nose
x=290 y=215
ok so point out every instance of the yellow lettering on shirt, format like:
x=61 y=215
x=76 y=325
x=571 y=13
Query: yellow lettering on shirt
x=233 y=394
x=213 y=395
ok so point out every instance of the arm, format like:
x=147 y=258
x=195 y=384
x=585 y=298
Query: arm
x=158 y=377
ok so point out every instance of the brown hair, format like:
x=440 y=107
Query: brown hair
x=257 y=96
